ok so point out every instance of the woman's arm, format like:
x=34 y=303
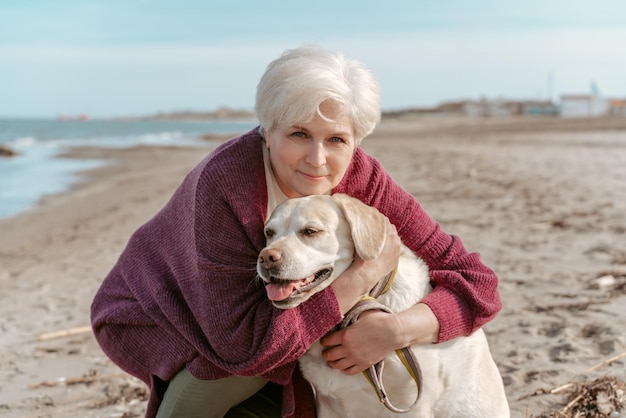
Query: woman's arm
x=242 y=332
x=465 y=294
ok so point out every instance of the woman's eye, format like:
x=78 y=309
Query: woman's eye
x=299 y=134
x=337 y=139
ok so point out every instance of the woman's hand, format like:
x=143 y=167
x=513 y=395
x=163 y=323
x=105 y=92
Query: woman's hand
x=362 y=344
x=363 y=275
x=376 y=334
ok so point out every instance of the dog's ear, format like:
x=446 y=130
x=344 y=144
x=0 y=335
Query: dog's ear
x=367 y=224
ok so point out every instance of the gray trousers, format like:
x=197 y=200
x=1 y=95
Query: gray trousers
x=234 y=396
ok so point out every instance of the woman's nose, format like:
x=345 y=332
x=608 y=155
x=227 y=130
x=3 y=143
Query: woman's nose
x=316 y=154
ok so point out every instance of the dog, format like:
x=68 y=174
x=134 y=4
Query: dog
x=311 y=241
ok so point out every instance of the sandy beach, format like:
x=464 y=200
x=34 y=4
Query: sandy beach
x=542 y=200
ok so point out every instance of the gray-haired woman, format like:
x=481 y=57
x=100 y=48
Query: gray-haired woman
x=181 y=308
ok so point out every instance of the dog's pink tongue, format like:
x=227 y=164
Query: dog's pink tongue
x=278 y=292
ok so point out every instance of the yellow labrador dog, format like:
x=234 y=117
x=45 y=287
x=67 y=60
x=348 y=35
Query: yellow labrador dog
x=312 y=240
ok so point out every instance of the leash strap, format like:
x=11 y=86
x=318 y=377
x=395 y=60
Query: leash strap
x=374 y=374
x=384 y=285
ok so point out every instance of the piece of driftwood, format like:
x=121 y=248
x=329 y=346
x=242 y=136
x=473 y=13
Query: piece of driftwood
x=64 y=333
x=603 y=397
x=607 y=361
x=569 y=385
x=69 y=381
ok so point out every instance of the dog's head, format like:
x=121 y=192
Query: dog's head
x=312 y=240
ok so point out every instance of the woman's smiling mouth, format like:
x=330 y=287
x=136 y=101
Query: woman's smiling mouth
x=312 y=176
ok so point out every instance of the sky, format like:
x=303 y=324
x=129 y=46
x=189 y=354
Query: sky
x=109 y=58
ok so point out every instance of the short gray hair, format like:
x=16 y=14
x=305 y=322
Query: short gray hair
x=294 y=86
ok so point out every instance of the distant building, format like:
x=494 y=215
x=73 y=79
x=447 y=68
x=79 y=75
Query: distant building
x=537 y=108
x=499 y=108
x=617 y=107
x=583 y=105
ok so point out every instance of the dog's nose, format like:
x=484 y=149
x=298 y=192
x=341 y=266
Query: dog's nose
x=269 y=257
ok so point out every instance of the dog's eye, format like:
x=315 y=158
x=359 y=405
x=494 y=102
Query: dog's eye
x=309 y=231
x=269 y=233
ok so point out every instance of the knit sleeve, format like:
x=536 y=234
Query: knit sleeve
x=465 y=294
x=244 y=333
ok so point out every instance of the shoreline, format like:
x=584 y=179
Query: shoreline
x=544 y=207
x=34 y=176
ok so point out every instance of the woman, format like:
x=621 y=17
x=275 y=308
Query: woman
x=182 y=310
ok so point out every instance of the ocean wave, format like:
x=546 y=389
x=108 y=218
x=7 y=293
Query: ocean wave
x=175 y=138
x=22 y=142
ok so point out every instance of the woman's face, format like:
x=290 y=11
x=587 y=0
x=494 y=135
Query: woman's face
x=311 y=158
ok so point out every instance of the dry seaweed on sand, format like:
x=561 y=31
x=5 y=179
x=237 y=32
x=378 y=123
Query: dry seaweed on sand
x=604 y=397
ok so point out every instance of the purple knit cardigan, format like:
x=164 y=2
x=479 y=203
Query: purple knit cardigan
x=183 y=293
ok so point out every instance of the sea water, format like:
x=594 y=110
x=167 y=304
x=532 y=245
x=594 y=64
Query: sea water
x=38 y=170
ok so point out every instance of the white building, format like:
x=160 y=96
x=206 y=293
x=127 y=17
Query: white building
x=583 y=105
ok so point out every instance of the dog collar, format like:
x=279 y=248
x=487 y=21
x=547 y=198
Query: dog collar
x=383 y=285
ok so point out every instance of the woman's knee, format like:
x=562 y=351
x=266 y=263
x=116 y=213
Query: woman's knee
x=187 y=396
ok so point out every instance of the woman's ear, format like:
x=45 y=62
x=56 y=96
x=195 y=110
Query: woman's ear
x=265 y=136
